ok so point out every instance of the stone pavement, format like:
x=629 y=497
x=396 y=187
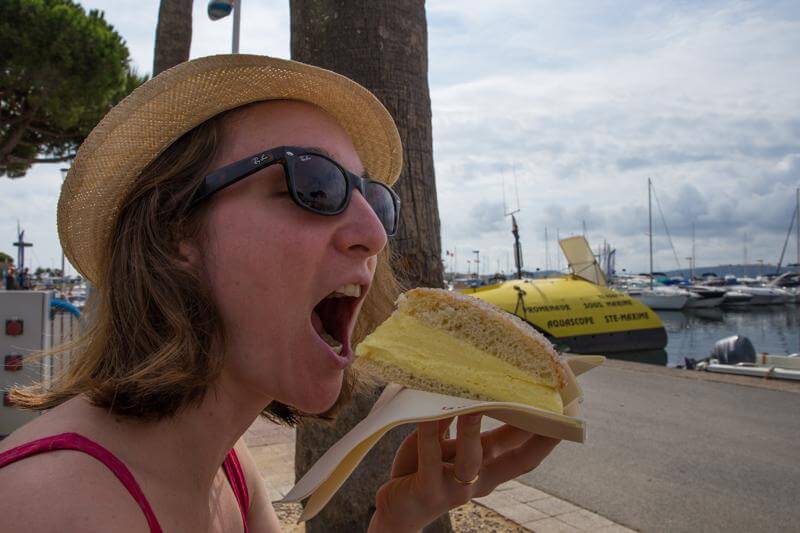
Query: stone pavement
x=272 y=447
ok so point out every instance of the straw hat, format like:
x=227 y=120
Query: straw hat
x=160 y=111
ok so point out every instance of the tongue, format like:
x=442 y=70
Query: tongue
x=316 y=321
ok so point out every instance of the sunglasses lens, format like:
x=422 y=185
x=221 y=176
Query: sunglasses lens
x=320 y=185
x=380 y=198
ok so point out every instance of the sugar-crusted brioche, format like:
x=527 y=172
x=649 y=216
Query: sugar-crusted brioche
x=450 y=343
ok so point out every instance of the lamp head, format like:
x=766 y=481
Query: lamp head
x=218 y=9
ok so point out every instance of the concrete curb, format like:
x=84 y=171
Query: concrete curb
x=538 y=511
x=272 y=447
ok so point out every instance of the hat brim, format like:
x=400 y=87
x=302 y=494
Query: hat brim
x=164 y=108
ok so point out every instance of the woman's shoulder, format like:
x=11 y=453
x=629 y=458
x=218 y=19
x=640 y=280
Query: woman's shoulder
x=54 y=485
x=66 y=490
x=65 y=418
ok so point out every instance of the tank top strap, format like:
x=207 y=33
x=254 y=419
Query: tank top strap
x=75 y=442
x=235 y=474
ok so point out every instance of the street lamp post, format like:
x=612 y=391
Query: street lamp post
x=64 y=172
x=218 y=9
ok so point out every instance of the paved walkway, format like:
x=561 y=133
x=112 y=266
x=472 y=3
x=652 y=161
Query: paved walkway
x=671 y=451
x=272 y=448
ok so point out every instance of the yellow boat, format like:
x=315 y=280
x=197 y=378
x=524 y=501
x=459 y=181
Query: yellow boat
x=579 y=311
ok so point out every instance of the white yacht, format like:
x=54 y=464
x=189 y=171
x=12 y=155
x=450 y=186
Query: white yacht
x=659 y=297
x=789 y=282
x=702 y=297
x=763 y=295
x=736 y=299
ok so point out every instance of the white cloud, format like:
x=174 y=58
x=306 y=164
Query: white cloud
x=583 y=101
x=703 y=100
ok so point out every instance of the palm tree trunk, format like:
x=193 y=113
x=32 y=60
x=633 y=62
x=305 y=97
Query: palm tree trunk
x=173 y=34
x=383 y=45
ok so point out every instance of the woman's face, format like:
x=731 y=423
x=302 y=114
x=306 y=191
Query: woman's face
x=271 y=263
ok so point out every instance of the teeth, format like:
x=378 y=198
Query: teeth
x=349 y=290
x=333 y=343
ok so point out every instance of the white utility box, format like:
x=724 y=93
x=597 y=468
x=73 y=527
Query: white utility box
x=28 y=325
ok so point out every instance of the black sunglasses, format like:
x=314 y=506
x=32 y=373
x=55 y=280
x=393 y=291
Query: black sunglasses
x=315 y=182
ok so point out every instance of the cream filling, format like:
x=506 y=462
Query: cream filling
x=408 y=344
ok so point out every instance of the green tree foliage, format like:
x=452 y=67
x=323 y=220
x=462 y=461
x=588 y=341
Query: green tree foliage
x=5 y=258
x=61 y=70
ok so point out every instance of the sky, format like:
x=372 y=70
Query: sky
x=563 y=110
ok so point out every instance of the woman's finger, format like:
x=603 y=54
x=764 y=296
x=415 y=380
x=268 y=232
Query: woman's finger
x=515 y=462
x=502 y=439
x=469 y=450
x=429 y=451
x=495 y=442
x=405 y=461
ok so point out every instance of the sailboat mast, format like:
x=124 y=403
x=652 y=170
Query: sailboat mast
x=693 y=261
x=798 y=226
x=546 y=250
x=558 y=255
x=650 y=222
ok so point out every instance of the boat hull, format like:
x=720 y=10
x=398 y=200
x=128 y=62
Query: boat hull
x=579 y=315
x=637 y=340
x=661 y=301
x=701 y=303
x=736 y=299
x=764 y=295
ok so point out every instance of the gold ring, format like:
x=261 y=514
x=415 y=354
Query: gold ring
x=462 y=482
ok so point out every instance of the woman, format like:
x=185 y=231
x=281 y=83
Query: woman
x=217 y=210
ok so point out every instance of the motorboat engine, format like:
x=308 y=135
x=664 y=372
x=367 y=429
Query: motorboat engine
x=734 y=350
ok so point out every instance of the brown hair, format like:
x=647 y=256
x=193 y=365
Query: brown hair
x=151 y=344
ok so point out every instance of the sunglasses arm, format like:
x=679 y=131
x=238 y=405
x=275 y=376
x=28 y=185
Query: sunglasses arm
x=230 y=174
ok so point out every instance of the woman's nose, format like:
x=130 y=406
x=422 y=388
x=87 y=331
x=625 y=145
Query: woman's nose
x=361 y=232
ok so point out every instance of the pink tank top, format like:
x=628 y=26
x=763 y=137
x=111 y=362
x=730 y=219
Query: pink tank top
x=73 y=441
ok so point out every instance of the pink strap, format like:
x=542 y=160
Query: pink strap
x=73 y=441
x=235 y=474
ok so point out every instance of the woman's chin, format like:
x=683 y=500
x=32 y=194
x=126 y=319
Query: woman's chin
x=318 y=400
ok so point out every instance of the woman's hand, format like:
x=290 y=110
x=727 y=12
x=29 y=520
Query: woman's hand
x=432 y=475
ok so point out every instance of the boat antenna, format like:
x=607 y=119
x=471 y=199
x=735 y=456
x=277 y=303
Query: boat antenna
x=666 y=228
x=693 y=260
x=650 y=222
x=514 y=226
x=503 y=177
x=517 y=247
x=795 y=213
x=546 y=250
x=558 y=255
x=744 y=267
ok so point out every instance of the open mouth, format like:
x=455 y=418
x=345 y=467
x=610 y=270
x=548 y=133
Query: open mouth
x=332 y=319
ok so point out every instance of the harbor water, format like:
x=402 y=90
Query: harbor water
x=774 y=329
